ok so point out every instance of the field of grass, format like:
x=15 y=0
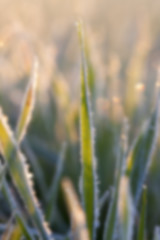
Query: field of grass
x=79 y=120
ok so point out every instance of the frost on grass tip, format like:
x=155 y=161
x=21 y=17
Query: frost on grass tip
x=28 y=104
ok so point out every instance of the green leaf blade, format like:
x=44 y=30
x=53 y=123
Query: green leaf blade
x=28 y=105
x=21 y=176
x=89 y=181
x=141 y=230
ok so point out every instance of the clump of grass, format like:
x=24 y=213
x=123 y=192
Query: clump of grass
x=16 y=161
x=123 y=220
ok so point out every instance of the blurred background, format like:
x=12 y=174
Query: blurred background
x=123 y=43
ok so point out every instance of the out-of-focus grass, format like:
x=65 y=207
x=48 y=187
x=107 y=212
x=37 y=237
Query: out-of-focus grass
x=124 y=48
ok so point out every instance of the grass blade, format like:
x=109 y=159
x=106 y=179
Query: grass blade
x=141 y=231
x=9 y=196
x=28 y=105
x=78 y=220
x=111 y=219
x=125 y=209
x=20 y=220
x=91 y=75
x=140 y=157
x=38 y=172
x=157 y=233
x=6 y=135
x=52 y=197
x=89 y=180
x=112 y=213
x=21 y=176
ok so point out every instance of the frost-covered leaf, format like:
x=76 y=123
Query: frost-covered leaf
x=28 y=104
x=21 y=176
x=89 y=179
